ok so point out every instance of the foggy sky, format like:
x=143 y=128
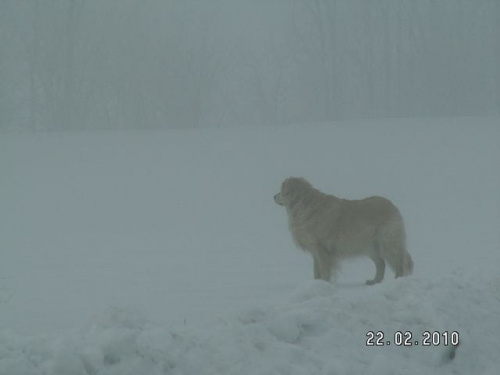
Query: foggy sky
x=89 y=64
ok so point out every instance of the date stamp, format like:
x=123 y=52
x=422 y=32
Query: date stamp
x=407 y=338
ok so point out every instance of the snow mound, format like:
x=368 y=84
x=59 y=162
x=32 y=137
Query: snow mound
x=322 y=329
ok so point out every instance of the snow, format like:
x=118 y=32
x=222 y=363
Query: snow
x=320 y=330
x=162 y=252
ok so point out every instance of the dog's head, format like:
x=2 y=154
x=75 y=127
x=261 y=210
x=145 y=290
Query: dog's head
x=291 y=190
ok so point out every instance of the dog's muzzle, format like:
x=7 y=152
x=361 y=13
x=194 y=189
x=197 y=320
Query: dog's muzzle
x=278 y=199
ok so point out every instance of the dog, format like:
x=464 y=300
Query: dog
x=331 y=229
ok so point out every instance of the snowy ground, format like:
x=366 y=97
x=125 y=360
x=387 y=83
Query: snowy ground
x=162 y=252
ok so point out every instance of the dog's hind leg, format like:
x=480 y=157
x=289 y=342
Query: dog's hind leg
x=379 y=266
x=317 y=273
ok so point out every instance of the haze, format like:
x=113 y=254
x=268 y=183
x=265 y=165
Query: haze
x=85 y=64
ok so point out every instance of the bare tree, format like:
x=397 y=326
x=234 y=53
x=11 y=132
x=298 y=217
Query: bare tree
x=70 y=74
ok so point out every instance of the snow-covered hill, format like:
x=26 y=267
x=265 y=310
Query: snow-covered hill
x=163 y=252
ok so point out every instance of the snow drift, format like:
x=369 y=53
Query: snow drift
x=320 y=330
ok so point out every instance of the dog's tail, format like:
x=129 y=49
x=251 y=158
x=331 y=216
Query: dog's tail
x=392 y=243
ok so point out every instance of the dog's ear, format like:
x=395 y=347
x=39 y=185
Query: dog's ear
x=291 y=186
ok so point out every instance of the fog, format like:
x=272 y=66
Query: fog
x=119 y=64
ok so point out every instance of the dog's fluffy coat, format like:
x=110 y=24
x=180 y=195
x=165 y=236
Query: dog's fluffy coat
x=331 y=228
